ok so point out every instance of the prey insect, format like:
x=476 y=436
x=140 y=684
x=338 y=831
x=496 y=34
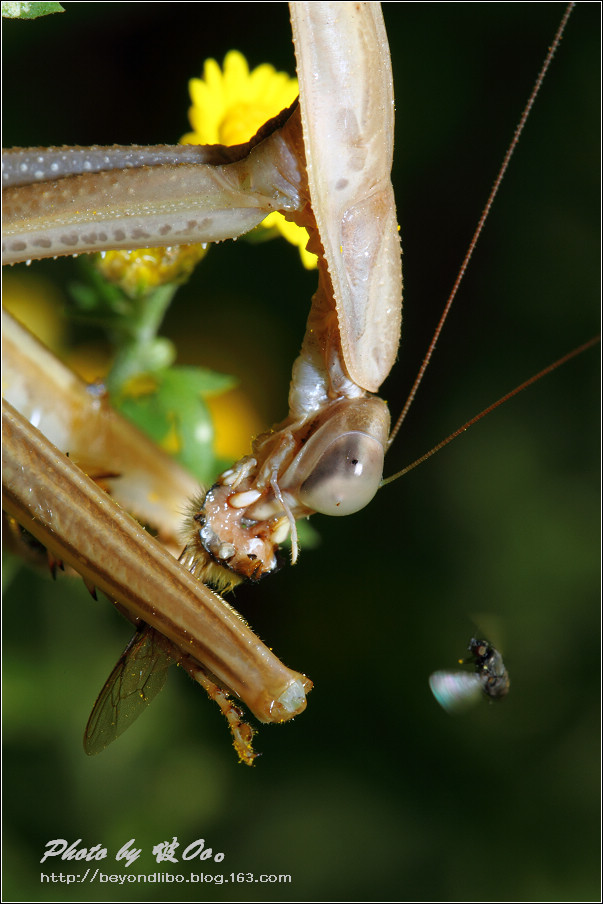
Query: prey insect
x=458 y=690
x=220 y=544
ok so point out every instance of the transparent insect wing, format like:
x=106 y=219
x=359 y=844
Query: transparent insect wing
x=456 y=691
x=136 y=680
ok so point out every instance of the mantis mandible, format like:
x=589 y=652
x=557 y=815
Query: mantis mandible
x=394 y=330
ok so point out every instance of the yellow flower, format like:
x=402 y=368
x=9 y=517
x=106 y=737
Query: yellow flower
x=139 y=272
x=230 y=105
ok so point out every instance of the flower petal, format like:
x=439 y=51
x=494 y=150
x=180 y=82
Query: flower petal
x=229 y=105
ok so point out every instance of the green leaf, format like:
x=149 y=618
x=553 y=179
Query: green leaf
x=200 y=380
x=29 y=10
x=175 y=416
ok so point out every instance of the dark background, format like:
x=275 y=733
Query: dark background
x=374 y=793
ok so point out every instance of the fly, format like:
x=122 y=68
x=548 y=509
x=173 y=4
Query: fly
x=456 y=691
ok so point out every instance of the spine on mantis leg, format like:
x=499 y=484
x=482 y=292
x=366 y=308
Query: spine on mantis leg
x=328 y=455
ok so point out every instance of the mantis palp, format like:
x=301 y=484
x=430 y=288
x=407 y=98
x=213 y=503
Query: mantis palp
x=401 y=143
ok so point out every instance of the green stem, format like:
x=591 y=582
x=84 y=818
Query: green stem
x=142 y=351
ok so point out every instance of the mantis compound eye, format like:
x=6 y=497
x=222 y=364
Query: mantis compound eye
x=338 y=468
x=346 y=476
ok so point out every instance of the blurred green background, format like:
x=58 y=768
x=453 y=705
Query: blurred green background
x=374 y=793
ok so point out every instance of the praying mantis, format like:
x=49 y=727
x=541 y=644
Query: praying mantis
x=392 y=14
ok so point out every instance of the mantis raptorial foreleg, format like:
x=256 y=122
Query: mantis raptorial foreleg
x=142 y=205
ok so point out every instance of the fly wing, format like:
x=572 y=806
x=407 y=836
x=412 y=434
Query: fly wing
x=136 y=679
x=455 y=691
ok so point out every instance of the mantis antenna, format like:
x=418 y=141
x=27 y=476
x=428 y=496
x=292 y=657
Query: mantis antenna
x=478 y=230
